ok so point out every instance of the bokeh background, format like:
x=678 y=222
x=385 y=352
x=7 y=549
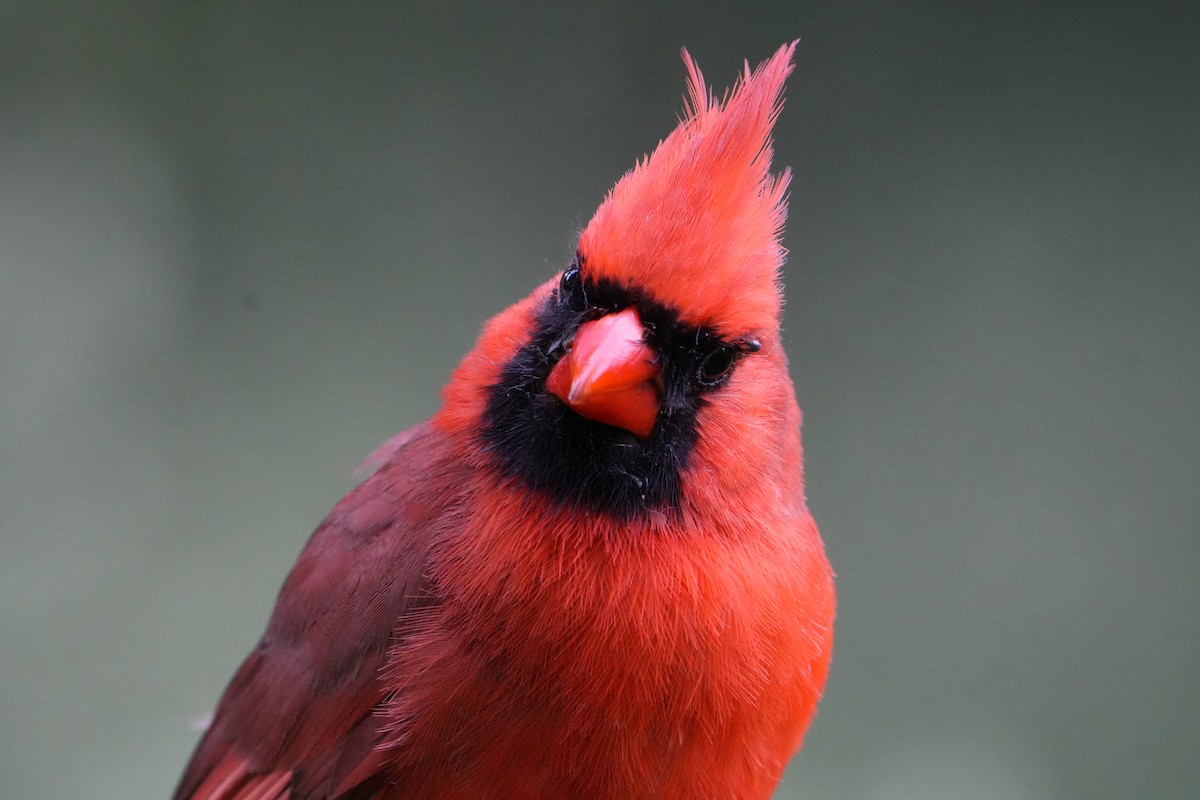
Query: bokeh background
x=242 y=244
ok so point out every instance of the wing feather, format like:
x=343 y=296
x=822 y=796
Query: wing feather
x=301 y=717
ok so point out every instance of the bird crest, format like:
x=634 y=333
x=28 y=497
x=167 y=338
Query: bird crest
x=698 y=221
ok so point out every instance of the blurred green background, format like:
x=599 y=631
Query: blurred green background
x=242 y=244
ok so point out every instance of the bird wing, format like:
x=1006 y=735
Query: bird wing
x=301 y=717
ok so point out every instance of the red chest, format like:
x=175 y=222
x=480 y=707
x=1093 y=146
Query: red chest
x=611 y=671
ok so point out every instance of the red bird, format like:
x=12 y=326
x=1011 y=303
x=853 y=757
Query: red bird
x=592 y=574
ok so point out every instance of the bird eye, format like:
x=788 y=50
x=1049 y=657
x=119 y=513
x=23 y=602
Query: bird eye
x=716 y=365
x=570 y=288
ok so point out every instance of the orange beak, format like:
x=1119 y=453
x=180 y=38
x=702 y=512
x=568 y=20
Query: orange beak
x=609 y=374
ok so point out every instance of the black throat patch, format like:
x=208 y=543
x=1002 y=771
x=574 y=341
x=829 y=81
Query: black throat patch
x=540 y=442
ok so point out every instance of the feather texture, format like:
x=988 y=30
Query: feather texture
x=522 y=603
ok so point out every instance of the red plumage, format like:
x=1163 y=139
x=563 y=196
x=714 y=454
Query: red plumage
x=533 y=598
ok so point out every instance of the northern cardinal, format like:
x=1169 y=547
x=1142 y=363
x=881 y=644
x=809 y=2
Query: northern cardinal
x=592 y=574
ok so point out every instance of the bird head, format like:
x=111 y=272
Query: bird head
x=650 y=368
